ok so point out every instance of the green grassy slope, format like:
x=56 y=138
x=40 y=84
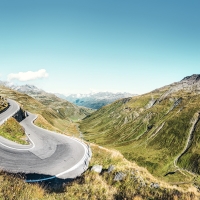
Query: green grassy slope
x=12 y=130
x=191 y=159
x=128 y=125
x=153 y=136
x=92 y=186
x=63 y=107
x=48 y=117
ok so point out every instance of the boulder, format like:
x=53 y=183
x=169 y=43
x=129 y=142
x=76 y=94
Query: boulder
x=119 y=176
x=155 y=185
x=97 y=168
x=111 y=168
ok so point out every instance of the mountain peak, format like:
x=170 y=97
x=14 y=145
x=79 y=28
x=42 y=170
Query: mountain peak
x=193 y=78
x=187 y=84
x=26 y=88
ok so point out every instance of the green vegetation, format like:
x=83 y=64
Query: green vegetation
x=191 y=159
x=54 y=120
x=12 y=187
x=91 y=185
x=152 y=136
x=151 y=130
x=3 y=103
x=65 y=109
x=12 y=130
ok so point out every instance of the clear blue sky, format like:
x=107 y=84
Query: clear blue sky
x=120 y=45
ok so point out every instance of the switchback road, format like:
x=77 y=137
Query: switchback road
x=49 y=153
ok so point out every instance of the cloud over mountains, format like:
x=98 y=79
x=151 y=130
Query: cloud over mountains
x=29 y=75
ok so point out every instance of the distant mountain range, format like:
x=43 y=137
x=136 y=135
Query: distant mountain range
x=95 y=100
x=91 y=100
x=64 y=107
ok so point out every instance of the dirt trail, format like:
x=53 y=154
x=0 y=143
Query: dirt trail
x=195 y=120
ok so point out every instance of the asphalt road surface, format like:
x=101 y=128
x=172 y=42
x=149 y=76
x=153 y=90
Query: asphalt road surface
x=49 y=153
x=12 y=109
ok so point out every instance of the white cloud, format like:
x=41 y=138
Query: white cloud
x=27 y=76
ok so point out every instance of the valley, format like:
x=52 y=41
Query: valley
x=158 y=130
x=53 y=113
x=95 y=100
x=152 y=138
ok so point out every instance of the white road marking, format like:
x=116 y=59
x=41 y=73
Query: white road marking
x=26 y=149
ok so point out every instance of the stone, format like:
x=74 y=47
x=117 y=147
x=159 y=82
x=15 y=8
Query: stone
x=155 y=185
x=97 y=168
x=111 y=168
x=119 y=176
x=125 y=120
x=151 y=103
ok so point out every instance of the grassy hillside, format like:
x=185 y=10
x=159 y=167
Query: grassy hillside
x=136 y=185
x=63 y=107
x=12 y=130
x=47 y=116
x=141 y=143
x=153 y=129
x=191 y=159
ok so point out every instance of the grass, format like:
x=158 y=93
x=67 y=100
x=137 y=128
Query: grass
x=152 y=137
x=65 y=128
x=92 y=186
x=53 y=119
x=191 y=160
x=62 y=107
x=12 y=130
x=131 y=128
x=12 y=187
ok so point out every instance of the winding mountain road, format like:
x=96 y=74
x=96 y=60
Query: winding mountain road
x=9 y=112
x=48 y=153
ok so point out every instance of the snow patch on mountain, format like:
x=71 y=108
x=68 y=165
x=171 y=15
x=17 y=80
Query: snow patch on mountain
x=95 y=100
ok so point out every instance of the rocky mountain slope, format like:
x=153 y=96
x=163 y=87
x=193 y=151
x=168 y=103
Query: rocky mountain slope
x=159 y=130
x=63 y=107
x=95 y=100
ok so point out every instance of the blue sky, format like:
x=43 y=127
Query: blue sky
x=129 y=46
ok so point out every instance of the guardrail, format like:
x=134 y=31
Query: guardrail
x=88 y=154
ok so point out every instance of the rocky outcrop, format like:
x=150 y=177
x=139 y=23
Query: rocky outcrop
x=97 y=168
x=188 y=84
x=155 y=185
x=191 y=79
x=125 y=120
x=111 y=168
x=125 y=100
x=119 y=176
x=20 y=115
x=151 y=103
x=176 y=103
